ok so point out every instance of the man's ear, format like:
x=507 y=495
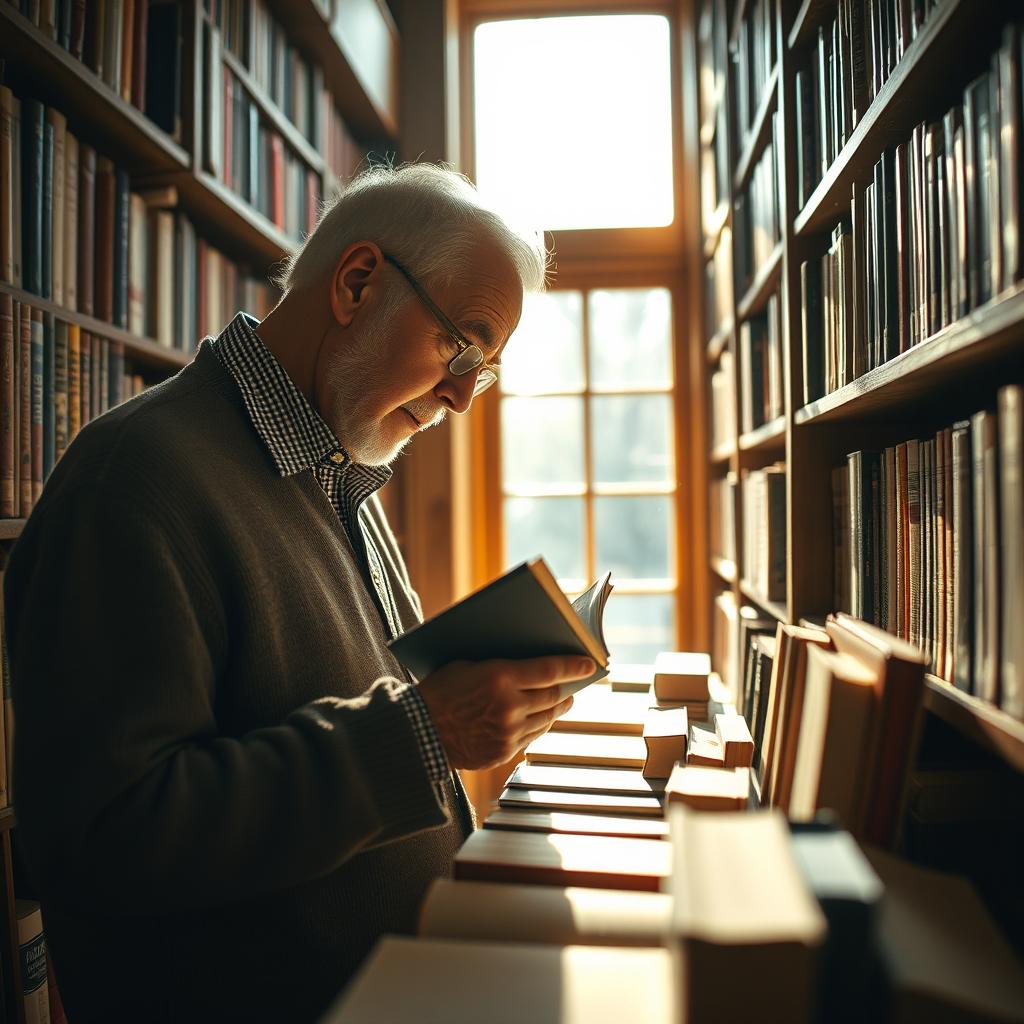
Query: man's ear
x=356 y=275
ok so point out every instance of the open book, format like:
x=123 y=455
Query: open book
x=523 y=614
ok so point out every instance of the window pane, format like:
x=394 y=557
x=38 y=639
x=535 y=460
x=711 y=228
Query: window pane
x=562 y=106
x=552 y=527
x=631 y=338
x=546 y=351
x=638 y=626
x=632 y=438
x=542 y=441
x=633 y=537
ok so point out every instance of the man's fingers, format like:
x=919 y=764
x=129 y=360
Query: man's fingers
x=542 y=720
x=535 y=673
x=534 y=701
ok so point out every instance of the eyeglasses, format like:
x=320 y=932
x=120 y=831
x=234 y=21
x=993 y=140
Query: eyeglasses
x=469 y=357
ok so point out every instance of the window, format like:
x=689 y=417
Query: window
x=587 y=462
x=573 y=120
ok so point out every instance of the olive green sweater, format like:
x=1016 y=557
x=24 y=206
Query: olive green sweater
x=220 y=799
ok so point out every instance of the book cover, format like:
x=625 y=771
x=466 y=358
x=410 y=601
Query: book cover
x=86 y=227
x=105 y=213
x=74 y=381
x=1011 y=498
x=58 y=125
x=32 y=171
x=524 y=819
x=25 y=410
x=69 y=252
x=33 y=994
x=86 y=375
x=7 y=426
x=60 y=389
x=120 y=240
x=49 y=394
x=986 y=556
x=139 y=29
x=523 y=614
x=38 y=372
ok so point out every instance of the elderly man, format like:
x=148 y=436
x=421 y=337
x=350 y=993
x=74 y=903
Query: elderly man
x=227 y=787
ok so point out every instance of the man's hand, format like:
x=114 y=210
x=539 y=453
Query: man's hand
x=486 y=711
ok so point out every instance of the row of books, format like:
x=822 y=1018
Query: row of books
x=723 y=402
x=763 y=504
x=251 y=157
x=712 y=57
x=757 y=218
x=854 y=55
x=760 y=344
x=54 y=378
x=930 y=545
x=71 y=230
x=935 y=234
x=134 y=46
x=722 y=517
x=344 y=155
x=718 y=284
x=754 y=54
x=261 y=43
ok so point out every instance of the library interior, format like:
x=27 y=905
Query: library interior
x=661 y=363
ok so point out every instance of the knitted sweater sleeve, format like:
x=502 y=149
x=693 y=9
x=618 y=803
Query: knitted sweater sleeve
x=129 y=799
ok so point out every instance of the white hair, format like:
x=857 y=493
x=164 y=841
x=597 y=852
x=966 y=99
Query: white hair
x=427 y=216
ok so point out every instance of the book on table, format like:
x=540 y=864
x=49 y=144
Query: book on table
x=523 y=614
x=558 y=915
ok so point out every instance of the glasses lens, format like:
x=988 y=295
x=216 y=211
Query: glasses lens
x=484 y=380
x=468 y=359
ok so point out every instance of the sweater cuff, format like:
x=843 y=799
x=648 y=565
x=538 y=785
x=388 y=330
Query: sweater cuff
x=434 y=759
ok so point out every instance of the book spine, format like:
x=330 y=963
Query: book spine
x=32 y=141
x=69 y=250
x=86 y=227
x=7 y=158
x=60 y=389
x=119 y=282
x=34 y=998
x=38 y=393
x=58 y=127
x=115 y=369
x=25 y=410
x=86 y=378
x=103 y=297
x=46 y=225
x=97 y=373
x=138 y=92
x=49 y=394
x=7 y=426
x=1011 y=497
x=74 y=381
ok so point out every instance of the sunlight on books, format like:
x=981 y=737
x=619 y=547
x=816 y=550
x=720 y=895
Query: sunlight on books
x=573 y=120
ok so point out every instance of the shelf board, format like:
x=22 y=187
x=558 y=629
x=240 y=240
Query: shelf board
x=718 y=342
x=236 y=223
x=768 y=436
x=723 y=453
x=312 y=32
x=10 y=529
x=274 y=114
x=980 y=721
x=762 y=286
x=990 y=332
x=144 y=350
x=759 y=133
x=812 y=14
x=901 y=103
x=773 y=608
x=724 y=568
x=713 y=229
x=95 y=112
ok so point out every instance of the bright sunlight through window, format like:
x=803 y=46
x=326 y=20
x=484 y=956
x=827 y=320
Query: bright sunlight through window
x=573 y=120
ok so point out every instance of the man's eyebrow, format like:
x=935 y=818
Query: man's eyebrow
x=481 y=330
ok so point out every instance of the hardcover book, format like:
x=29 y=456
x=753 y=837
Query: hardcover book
x=523 y=614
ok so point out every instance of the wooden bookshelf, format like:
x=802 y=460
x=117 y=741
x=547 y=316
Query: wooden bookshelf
x=10 y=529
x=146 y=351
x=759 y=134
x=905 y=99
x=765 y=281
x=713 y=229
x=987 y=336
x=271 y=112
x=119 y=130
x=767 y=437
x=910 y=393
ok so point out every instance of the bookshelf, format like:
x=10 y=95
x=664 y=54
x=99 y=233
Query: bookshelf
x=946 y=376
x=352 y=52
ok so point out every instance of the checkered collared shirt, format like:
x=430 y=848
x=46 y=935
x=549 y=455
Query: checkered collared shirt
x=298 y=439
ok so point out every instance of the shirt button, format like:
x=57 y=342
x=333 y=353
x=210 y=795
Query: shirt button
x=337 y=457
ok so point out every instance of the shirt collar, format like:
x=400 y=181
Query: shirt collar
x=293 y=432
